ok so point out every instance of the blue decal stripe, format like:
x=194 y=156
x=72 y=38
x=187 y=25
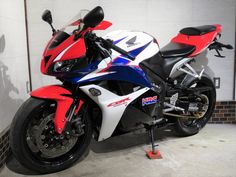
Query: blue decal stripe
x=137 y=51
x=120 y=60
x=117 y=41
x=123 y=73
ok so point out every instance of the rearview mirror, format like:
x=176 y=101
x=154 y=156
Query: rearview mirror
x=94 y=17
x=47 y=16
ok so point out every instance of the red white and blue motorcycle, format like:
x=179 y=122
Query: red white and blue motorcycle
x=111 y=85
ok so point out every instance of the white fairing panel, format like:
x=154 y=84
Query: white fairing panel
x=132 y=40
x=112 y=107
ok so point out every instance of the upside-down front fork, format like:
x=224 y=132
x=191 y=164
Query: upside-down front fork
x=73 y=111
x=67 y=105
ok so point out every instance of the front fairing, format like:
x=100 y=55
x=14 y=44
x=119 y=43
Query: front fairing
x=65 y=46
x=68 y=49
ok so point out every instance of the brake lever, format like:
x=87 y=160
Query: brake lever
x=105 y=52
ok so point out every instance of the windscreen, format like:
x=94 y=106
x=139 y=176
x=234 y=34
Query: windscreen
x=67 y=30
x=74 y=22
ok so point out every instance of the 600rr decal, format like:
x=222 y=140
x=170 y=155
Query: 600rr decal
x=118 y=103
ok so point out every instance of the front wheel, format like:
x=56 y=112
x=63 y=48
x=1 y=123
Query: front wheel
x=187 y=127
x=38 y=147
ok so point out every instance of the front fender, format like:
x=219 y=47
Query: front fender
x=63 y=98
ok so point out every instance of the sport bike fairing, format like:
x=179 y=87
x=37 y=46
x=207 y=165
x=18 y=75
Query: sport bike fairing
x=112 y=107
x=111 y=85
x=119 y=67
x=140 y=45
x=62 y=45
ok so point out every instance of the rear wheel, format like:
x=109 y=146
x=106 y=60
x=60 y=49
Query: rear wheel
x=38 y=147
x=190 y=126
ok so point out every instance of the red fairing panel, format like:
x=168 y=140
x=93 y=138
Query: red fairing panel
x=200 y=42
x=68 y=49
x=56 y=92
x=103 y=25
x=81 y=102
x=74 y=49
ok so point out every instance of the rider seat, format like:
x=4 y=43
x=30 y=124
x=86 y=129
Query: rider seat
x=197 y=31
x=159 y=65
x=163 y=62
x=176 y=50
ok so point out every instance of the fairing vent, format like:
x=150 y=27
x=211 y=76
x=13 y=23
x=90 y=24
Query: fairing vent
x=46 y=59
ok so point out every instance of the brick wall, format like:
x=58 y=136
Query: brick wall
x=224 y=113
x=4 y=147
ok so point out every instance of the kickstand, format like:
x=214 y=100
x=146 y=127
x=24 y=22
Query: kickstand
x=152 y=154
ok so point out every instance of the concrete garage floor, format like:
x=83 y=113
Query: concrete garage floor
x=211 y=153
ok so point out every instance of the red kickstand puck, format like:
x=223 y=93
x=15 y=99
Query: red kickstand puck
x=154 y=155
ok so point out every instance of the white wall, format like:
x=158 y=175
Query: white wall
x=161 y=18
x=13 y=59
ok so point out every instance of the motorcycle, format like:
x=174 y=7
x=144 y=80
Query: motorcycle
x=112 y=85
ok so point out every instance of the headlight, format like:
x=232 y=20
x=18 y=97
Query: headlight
x=63 y=66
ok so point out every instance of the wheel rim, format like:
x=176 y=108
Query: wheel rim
x=197 y=123
x=38 y=137
x=202 y=113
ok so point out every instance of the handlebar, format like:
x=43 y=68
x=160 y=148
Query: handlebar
x=109 y=44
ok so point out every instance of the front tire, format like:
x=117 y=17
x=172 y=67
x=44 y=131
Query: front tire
x=185 y=128
x=34 y=112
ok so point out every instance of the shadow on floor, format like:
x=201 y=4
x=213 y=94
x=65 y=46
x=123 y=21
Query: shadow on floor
x=13 y=165
x=130 y=140
x=117 y=143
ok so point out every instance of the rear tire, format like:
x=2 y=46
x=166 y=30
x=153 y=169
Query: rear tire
x=33 y=160
x=181 y=127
